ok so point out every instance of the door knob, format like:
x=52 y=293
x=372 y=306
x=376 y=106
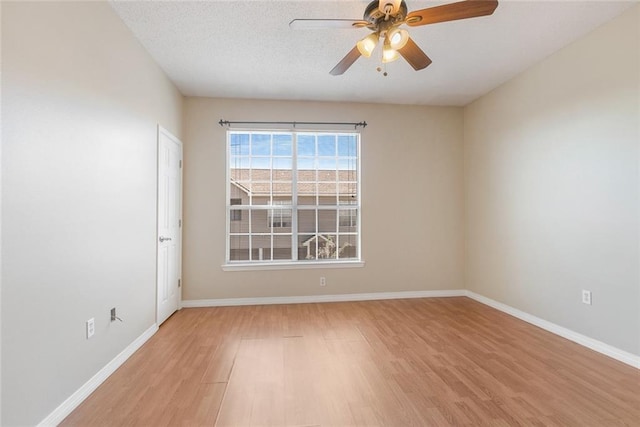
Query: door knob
x=162 y=238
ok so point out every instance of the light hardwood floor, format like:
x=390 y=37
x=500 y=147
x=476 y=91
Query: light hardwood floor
x=420 y=362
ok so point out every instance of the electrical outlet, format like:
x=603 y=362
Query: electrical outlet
x=586 y=297
x=323 y=281
x=91 y=327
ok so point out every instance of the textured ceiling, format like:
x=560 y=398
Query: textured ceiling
x=245 y=49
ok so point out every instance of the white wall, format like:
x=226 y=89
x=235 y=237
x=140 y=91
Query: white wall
x=81 y=100
x=411 y=199
x=552 y=187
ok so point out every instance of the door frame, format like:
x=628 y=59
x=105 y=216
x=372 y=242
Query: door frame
x=162 y=131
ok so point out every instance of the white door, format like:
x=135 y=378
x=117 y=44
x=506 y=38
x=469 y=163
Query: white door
x=169 y=224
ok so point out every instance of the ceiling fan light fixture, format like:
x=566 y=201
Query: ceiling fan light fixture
x=367 y=44
x=389 y=54
x=398 y=38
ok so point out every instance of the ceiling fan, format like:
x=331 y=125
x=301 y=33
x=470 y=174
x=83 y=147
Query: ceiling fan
x=384 y=18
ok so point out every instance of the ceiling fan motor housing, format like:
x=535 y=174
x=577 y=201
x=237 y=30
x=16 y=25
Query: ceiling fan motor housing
x=376 y=17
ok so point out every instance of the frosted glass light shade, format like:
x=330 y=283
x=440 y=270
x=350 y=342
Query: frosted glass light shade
x=389 y=54
x=398 y=38
x=367 y=44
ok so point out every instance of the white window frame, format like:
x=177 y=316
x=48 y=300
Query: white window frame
x=294 y=263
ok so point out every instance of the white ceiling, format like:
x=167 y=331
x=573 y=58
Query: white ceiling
x=245 y=49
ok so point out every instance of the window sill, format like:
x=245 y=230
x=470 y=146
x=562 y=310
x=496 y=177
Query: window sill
x=291 y=265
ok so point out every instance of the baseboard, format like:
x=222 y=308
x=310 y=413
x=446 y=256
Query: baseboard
x=321 y=298
x=593 y=344
x=62 y=411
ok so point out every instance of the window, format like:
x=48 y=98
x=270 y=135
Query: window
x=292 y=197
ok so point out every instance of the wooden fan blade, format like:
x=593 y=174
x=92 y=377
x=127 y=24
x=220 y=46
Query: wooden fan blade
x=451 y=12
x=321 y=24
x=414 y=55
x=346 y=62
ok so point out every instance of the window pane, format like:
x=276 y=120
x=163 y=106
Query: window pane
x=239 y=144
x=282 y=247
x=240 y=190
x=279 y=219
x=326 y=246
x=241 y=225
x=282 y=145
x=327 y=221
x=261 y=247
x=235 y=215
x=347 y=145
x=306 y=145
x=307 y=221
x=307 y=193
x=261 y=144
x=348 y=220
x=259 y=221
x=307 y=247
x=348 y=246
x=326 y=145
x=238 y=248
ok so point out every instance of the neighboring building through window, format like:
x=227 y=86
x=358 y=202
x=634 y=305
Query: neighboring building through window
x=280 y=218
x=348 y=217
x=293 y=196
x=235 y=215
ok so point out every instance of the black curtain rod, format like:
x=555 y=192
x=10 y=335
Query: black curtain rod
x=355 y=125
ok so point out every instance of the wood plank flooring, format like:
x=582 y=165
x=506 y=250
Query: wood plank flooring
x=416 y=362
